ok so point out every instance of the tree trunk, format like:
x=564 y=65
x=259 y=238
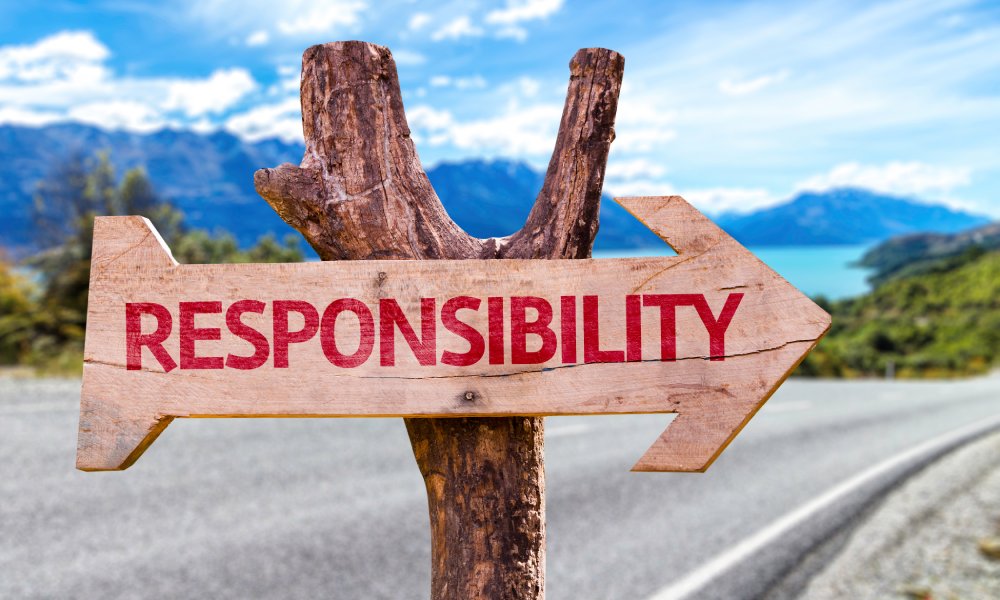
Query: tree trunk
x=360 y=193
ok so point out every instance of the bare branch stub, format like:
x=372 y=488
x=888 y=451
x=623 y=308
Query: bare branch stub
x=563 y=222
x=361 y=193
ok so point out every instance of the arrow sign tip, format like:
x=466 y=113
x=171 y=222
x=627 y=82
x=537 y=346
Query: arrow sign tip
x=710 y=416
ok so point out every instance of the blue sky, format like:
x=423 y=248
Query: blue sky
x=735 y=105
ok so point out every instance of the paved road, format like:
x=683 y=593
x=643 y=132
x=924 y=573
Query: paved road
x=292 y=508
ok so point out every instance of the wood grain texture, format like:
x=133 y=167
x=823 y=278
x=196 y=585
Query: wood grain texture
x=773 y=327
x=506 y=531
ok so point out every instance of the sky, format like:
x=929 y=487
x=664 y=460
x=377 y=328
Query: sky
x=735 y=105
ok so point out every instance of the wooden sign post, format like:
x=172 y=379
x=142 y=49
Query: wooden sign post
x=472 y=352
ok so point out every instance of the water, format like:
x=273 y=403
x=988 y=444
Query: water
x=816 y=270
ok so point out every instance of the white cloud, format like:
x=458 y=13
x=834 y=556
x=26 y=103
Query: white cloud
x=527 y=127
x=465 y=83
x=644 y=177
x=516 y=11
x=418 y=21
x=461 y=83
x=634 y=168
x=289 y=78
x=639 y=177
x=527 y=132
x=428 y=118
x=64 y=77
x=458 y=27
x=513 y=32
x=903 y=178
x=643 y=125
x=749 y=86
x=528 y=86
x=219 y=92
x=67 y=55
x=119 y=114
x=314 y=16
x=293 y=18
x=203 y=126
x=258 y=38
x=820 y=99
x=712 y=201
x=633 y=136
x=504 y=22
x=898 y=178
x=32 y=118
x=408 y=58
x=281 y=120
x=638 y=187
x=730 y=199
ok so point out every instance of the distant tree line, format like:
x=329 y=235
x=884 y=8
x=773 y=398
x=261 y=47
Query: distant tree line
x=43 y=301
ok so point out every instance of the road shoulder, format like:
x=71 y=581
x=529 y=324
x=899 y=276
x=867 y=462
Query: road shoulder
x=922 y=541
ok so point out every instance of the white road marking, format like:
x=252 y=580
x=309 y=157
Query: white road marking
x=700 y=577
x=567 y=430
x=36 y=407
x=788 y=406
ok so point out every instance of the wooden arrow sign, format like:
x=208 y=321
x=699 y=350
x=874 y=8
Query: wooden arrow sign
x=708 y=334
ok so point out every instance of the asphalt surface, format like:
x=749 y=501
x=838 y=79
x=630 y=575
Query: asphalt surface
x=335 y=508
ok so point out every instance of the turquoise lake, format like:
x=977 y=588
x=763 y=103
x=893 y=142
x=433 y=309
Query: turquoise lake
x=816 y=270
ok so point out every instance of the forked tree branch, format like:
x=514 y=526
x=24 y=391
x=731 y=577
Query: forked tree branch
x=361 y=193
x=563 y=222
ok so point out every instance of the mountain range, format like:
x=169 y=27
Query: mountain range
x=843 y=216
x=210 y=177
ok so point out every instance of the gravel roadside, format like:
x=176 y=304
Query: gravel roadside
x=924 y=540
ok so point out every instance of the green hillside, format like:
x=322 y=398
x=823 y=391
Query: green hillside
x=927 y=252
x=943 y=321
